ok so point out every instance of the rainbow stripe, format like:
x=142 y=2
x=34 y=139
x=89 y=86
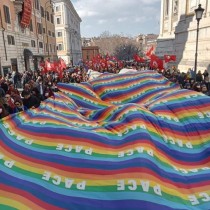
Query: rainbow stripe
x=130 y=141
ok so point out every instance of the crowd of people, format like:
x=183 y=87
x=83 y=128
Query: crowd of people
x=199 y=82
x=36 y=86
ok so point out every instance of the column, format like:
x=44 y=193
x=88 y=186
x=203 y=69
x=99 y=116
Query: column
x=161 y=18
x=170 y=16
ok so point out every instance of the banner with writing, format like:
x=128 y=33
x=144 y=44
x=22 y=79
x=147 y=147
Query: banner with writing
x=26 y=13
x=128 y=141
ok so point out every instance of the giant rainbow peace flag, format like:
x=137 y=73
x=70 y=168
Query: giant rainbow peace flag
x=129 y=141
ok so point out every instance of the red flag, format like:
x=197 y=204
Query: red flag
x=48 y=66
x=120 y=64
x=62 y=63
x=42 y=64
x=156 y=62
x=114 y=58
x=107 y=57
x=138 y=59
x=169 y=58
x=150 y=52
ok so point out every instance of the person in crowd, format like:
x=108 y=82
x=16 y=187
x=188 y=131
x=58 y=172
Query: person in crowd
x=27 y=88
x=54 y=87
x=32 y=84
x=4 y=85
x=204 y=90
x=199 y=77
x=48 y=92
x=12 y=88
x=197 y=86
x=205 y=74
x=15 y=96
x=9 y=101
x=41 y=88
x=3 y=111
x=187 y=85
x=207 y=82
x=36 y=93
x=2 y=92
x=30 y=101
x=188 y=75
x=19 y=107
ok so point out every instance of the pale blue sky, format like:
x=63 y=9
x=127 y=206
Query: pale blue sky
x=126 y=17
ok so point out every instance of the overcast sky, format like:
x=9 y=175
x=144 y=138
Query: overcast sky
x=126 y=17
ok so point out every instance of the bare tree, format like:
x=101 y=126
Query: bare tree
x=108 y=43
x=126 y=52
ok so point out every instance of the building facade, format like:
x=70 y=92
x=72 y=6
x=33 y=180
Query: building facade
x=145 y=42
x=178 y=27
x=89 y=52
x=68 y=37
x=22 y=38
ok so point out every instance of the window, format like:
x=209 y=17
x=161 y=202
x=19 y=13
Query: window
x=59 y=34
x=58 y=8
x=33 y=43
x=11 y=40
x=50 y=48
x=46 y=48
x=39 y=26
x=40 y=45
x=53 y=34
x=166 y=7
x=42 y=11
x=58 y=20
x=52 y=18
x=36 y=4
x=47 y=15
x=31 y=26
x=43 y=30
x=60 y=47
x=49 y=33
x=7 y=14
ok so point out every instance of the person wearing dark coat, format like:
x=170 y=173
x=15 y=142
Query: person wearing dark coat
x=30 y=101
x=199 y=77
x=2 y=92
x=3 y=111
x=205 y=74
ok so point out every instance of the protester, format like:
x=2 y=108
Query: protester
x=19 y=107
x=3 y=111
x=9 y=101
x=205 y=74
x=48 y=92
x=30 y=101
x=2 y=92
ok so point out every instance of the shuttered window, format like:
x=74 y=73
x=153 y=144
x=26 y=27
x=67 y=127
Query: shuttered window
x=7 y=14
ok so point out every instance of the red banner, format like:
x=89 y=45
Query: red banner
x=26 y=13
x=156 y=62
x=150 y=52
x=169 y=58
x=138 y=59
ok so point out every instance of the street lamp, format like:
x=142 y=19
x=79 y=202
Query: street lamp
x=199 y=13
